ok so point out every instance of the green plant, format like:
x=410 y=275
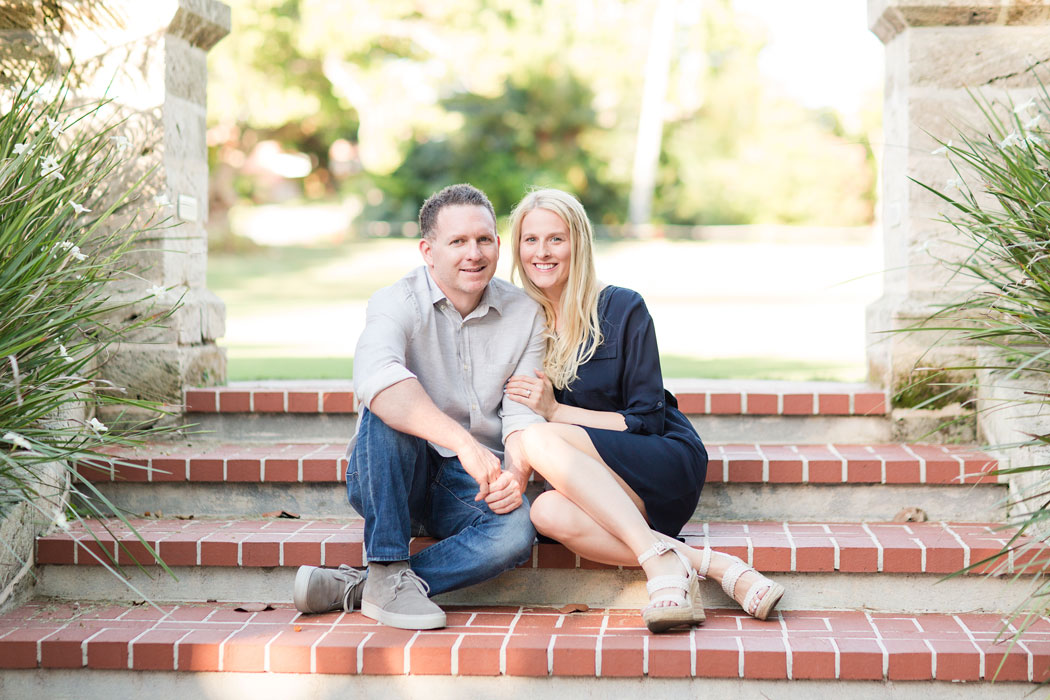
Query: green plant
x=999 y=201
x=68 y=218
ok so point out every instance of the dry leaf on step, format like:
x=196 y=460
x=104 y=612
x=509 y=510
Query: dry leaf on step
x=910 y=514
x=281 y=514
x=573 y=607
x=253 y=607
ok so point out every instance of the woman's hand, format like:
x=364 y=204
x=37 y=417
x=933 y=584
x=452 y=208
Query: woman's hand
x=535 y=392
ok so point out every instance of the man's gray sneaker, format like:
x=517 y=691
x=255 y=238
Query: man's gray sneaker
x=394 y=595
x=320 y=590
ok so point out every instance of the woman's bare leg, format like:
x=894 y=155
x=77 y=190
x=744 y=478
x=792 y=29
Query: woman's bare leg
x=598 y=524
x=564 y=456
x=557 y=517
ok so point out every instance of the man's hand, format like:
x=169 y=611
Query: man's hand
x=482 y=465
x=504 y=493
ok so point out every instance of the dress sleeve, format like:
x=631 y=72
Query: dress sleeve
x=642 y=383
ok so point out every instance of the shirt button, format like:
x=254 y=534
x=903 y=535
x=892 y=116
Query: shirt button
x=474 y=406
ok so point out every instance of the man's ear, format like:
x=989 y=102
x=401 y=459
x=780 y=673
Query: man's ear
x=424 y=249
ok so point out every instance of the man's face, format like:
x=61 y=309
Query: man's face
x=462 y=254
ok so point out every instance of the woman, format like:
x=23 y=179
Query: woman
x=625 y=465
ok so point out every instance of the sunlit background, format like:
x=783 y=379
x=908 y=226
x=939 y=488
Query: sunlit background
x=726 y=151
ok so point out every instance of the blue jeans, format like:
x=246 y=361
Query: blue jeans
x=395 y=480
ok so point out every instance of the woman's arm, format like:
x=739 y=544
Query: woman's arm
x=538 y=394
x=609 y=420
x=639 y=379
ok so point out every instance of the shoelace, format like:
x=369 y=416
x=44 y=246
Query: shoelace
x=347 y=573
x=407 y=575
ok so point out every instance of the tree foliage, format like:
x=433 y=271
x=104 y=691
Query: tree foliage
x=509 y=94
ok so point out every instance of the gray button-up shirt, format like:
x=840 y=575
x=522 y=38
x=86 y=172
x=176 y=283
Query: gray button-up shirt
x=412 y=330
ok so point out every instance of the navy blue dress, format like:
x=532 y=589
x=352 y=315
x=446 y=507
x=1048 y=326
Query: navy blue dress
x=660 y=455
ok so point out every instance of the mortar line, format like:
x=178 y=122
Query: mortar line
x=361 y=653
x=506 y=640
x=845 y=462
x=879 y=641
x=789 y=660
x=965 y=547
x=922 y=462
x=454 y=661
x=878 y=547
x=408 y=652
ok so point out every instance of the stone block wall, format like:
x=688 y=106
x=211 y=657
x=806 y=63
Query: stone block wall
x=936 y=50
x=150 y=58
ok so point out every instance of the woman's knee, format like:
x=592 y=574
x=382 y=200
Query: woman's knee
x=545 y=448
x=552 y=515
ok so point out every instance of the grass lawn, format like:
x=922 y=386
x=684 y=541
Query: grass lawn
x=722 y=311
x=673 y=366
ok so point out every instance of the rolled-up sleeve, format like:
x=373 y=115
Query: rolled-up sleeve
x=642 y=384
x=379 y=359
x=517 y=416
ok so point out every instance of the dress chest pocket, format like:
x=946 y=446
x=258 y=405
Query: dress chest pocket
x=608 y=350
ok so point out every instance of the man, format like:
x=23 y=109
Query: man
x=430 y=368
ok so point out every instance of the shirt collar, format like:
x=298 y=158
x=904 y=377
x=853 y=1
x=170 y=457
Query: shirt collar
x=491 y=298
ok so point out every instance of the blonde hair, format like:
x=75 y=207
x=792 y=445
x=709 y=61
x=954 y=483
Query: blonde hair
x=580 y=332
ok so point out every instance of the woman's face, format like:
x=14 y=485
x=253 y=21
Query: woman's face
x=545 y=251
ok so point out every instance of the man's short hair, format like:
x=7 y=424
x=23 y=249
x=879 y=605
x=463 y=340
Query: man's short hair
x=453 y=195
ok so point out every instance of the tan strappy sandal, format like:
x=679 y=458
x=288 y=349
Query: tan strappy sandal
x=684 y=593
x=773 y=591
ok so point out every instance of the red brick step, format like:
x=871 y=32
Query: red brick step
x=517 y=641
x=696 y=397
x=753 y=463
x=917 y=548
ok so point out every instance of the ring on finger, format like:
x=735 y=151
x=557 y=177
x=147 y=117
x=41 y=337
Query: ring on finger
x=528 y=393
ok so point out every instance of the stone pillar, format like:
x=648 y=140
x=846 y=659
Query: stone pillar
x=935 y=51
x=155 y=69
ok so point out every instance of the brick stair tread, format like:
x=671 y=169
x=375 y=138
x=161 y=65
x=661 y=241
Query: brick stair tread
x=517 y=641
x=930 y=548
x=695 y=397
x=285 y=462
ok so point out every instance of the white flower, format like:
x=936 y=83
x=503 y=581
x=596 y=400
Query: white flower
x=1012 y=139
x=68 y=246
x=161 y=200
x=97 y=425
x=54 y=126
x=1024 y=106
x=954 y=184
x=64 y=354
x=49 y=168
x=77 y=208
x=21 y=148
x=17 y=440
x=122 y=142
x=156 y=291
x=1033 y=122
x=60 y=520
x=943 y=149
